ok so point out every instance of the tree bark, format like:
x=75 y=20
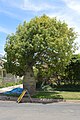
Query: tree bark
x=29 y=82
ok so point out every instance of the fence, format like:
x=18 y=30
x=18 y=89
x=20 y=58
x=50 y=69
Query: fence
x=10 y=79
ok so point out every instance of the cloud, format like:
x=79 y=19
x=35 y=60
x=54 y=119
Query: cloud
x=4 y=30
x=68 y=16
x=29 y=5
x=2 y=49
x=33 y=6
x=8 y=13
x=1 y=45
x=19 y=9
x=73 y=4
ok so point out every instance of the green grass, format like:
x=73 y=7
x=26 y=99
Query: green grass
x=66 y=92
x=61 y=92
x=48 y=95
x=54 y=95
x=70 y=95
x=58 y=95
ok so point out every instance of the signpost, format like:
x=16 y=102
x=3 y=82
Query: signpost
x=22 y=95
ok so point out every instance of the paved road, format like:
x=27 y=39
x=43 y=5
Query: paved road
x=32 y=111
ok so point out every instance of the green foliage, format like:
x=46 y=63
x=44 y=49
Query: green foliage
x=41 y=41
x=47 y=88
x=73 y=70
x=67 y=87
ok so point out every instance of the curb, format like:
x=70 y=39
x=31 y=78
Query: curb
x=34 y=100
x=72 y=101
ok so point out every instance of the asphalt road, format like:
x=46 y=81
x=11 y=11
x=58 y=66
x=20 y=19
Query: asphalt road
x=34 y=111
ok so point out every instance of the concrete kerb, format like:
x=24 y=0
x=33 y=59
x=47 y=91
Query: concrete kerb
x=34 y=100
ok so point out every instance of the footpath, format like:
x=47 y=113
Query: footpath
x=2 y=90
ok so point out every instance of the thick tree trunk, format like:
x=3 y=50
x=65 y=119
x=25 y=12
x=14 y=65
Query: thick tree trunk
x=29 y=82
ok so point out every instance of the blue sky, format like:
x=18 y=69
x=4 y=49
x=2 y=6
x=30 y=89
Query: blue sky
x=14 y=12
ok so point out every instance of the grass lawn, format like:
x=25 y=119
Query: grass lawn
x=54 y=95
x=70 y=95
x=58 y=95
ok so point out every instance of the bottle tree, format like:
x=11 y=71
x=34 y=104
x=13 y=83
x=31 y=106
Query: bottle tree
x=41 y=41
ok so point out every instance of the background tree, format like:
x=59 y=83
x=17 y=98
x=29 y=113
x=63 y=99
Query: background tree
x=41 y=41
x=73 y=70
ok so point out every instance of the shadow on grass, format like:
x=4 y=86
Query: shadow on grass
x=48 y=95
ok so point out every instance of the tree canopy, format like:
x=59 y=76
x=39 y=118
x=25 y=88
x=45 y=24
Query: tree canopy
x=41 y=41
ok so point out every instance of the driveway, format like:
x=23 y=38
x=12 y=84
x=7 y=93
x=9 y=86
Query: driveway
x=31 y=111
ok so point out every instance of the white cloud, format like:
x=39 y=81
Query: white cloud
x=1 y=45
x=8 y=13
x=24 y=5
x=11 y=14
x=30 y=5
x=73 y=4
x=2 y=49
x=4 y=30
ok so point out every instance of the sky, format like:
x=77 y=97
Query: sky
x=14 y=12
